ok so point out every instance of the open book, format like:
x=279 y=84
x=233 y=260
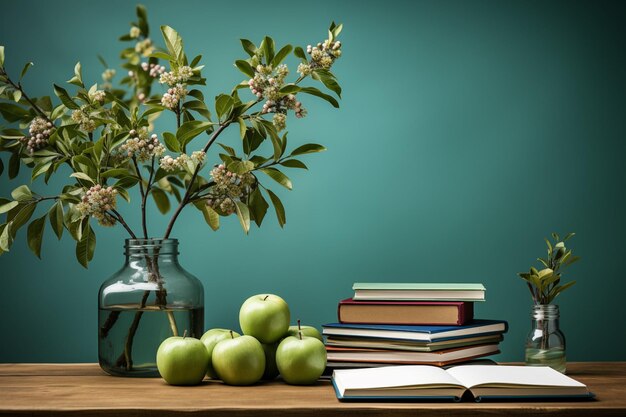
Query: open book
x=430 y=382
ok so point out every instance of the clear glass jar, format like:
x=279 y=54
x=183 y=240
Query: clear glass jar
x=150 y=299
x=545 y=344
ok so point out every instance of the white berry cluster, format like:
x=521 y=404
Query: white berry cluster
x=229 y=187
x=142 y=147
x=134 y=32
x=82 y=118
x=280 y=107
x=176 y=76
x=171 y=164
x=268 y=81
x=144 y=47
x=98 y=96
x=39 y=131
x=154 y=70
x=96 y=202
x=108 y=74
x=323 y=55
x=173 y=96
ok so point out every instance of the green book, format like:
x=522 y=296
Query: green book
x=418 y=291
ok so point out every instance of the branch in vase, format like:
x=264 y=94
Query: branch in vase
x=117 y=216
x=144 y=199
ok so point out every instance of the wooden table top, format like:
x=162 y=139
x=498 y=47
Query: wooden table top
x=85 y=390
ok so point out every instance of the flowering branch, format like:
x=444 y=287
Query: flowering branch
x=105 y=135
x=185 y=198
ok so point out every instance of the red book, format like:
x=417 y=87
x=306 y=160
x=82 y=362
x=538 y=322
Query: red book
x=444 y=313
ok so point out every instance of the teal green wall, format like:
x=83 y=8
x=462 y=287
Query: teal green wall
x=469 y=130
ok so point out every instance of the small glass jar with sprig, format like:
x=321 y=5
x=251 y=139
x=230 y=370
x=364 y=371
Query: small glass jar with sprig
x=545 y=344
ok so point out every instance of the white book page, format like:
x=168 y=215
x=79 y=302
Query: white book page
x=393 y=377
x=501 y=375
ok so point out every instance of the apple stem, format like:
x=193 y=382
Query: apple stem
x=232 y=336
x=299 y=328
x=300 y=334
x=185 y=334
x=266 y=297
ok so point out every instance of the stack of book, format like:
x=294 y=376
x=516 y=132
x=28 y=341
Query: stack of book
x=411 y=323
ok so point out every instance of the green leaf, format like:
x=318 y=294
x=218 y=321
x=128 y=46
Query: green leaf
x=14 y=165
x=1 y=56
x=115 y=173
x=290 y=89
x=281 y=55
x=35 y=235
x=245 y=67
x=278 y=176
x=307 y=148
x=40 y=169
x=1 y=167
x=55 y=215
x=171 y=142
x=210 y=215
x=248 y=46
x=568 y=236
x=189 y=130
x=268 y=49
x=278 y=207
x=142 y=20
x=86 y=246
x=223 y=105
x=8 y=206
x=103 y=61
x=12 y=112
x=161 y=200
x=242 y=129
x=335 y=29
x=294 y=163
x=328 y=80
x=278 y=147
x=65 y=98
x=6 y=238
x=299 y=52
x=240 y=167
x=228 y=149
x=77 y=79
x=162 y=55
x=25 y=69
x=258 y=206
x=22 y=217
x=83 y=176
x=174 y=43
x=22 y=193
x=243 y=214
x=315 y=92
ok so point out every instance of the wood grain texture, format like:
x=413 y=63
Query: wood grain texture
x=85 y=390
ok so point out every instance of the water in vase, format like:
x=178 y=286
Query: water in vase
x=151 y=325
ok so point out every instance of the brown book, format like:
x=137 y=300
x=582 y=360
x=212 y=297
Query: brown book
x=444 y=313
x=439 y=358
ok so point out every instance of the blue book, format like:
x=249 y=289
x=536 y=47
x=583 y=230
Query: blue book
x=482 y=382
x=416 y=333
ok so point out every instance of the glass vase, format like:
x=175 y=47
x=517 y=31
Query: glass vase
x=545 y=344
x=148 y=300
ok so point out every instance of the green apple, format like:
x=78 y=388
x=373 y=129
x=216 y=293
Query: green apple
x=182 y=360
x=210 y=339
x=306 y=331
x=264 y=316
x=301 y=360
x=271 y=370
x=239 y=360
